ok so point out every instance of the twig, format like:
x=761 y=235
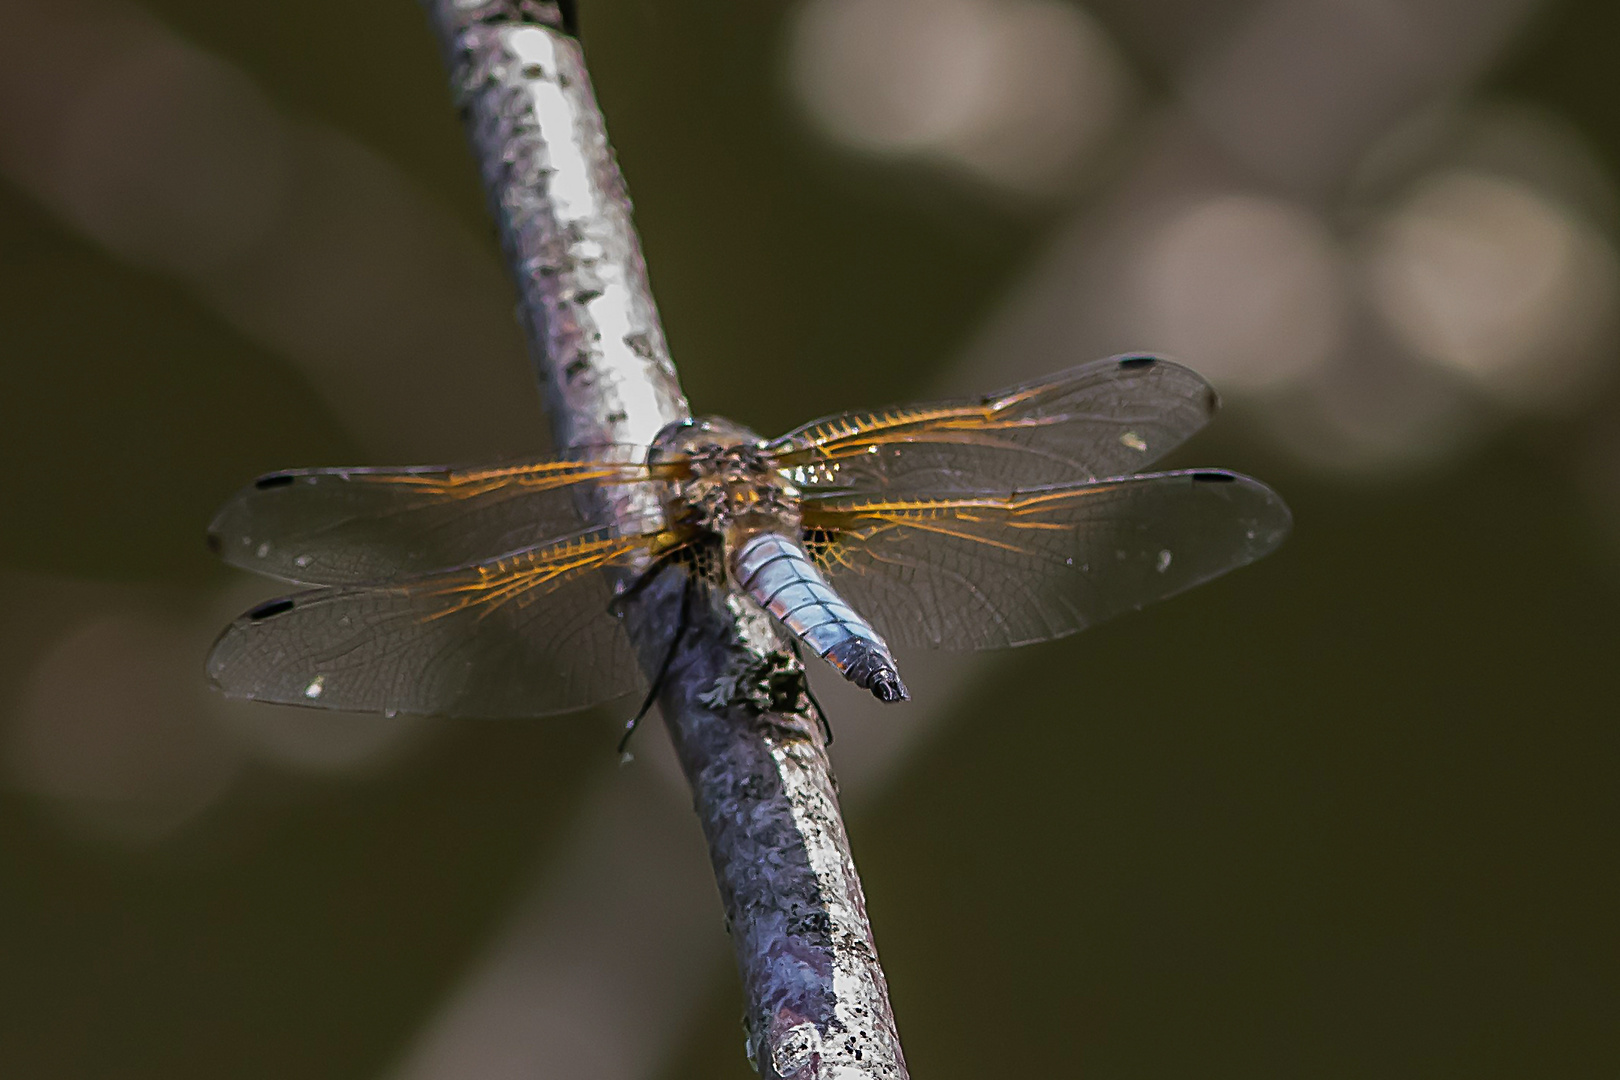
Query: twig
x=735 y=700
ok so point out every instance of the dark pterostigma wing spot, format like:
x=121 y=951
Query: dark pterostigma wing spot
x=989 y=572
x=1104 y=419
x=525 y=635
x=270 y=610
x=366 y=525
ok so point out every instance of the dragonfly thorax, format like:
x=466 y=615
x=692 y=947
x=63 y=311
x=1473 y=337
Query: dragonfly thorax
x=730 y=487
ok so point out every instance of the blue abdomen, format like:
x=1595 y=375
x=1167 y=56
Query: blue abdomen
x=774 y=570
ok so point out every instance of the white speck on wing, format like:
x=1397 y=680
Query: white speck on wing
x=1134 y=441
x=316 y=685
x=263 y=550
x=1164 y=561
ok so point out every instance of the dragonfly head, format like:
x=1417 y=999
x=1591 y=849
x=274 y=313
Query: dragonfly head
x=703 y=433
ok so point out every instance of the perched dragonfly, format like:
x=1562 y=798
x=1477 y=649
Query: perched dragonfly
x=972 y=524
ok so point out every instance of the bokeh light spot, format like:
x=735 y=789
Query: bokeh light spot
x=1251 y=290
x=1015 y=92
x=111 y=731
x=1495 y=282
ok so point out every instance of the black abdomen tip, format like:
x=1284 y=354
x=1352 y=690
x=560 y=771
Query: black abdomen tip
x=1130 y=363
x=869 y=666
x=888 y=687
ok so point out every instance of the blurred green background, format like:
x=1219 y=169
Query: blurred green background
x=1350 y=812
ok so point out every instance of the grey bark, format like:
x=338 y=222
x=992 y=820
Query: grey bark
x=735 y=701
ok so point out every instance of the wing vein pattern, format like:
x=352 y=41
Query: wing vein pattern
x=989 y=571
x=363 y=525
x=527 y=634
x=1108 y=418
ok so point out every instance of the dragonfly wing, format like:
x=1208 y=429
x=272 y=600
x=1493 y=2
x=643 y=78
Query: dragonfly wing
x=526 y=635
x=350 y=526
x=1102 y=419
x=991 y=571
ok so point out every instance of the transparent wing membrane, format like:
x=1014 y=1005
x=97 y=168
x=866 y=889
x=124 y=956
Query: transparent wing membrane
x=992 y=571
x=1102 y=419
x=973 y=524
x=347 y=526
x=526 y=635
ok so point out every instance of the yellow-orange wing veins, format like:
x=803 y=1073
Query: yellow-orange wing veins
x=524 y=635
x=348 y=526
x=988 y=571
x=1106 y=418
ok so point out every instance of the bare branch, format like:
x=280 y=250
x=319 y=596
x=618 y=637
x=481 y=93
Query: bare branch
x=735 y=700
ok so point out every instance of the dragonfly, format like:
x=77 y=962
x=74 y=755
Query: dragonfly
x=982 y=523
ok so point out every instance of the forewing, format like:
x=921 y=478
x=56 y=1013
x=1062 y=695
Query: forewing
x=993 y=571
x=349 y=526
x=526 y=635
x=1107 y=418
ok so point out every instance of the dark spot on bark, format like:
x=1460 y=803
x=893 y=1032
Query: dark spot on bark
x=639 y=344
x=577 y=366
x=585 y=296
x=533 y=71
x=274 y=480
x=811 y=924
x=618 y=417
x=785 y=688
x=270 y=610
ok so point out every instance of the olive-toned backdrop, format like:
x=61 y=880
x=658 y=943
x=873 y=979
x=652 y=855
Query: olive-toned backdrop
x=1351 y=812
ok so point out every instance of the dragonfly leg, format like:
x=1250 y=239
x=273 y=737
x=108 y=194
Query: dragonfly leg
x=618 y=604
x=669 y=656
x=821 y=714
x=693 y=556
